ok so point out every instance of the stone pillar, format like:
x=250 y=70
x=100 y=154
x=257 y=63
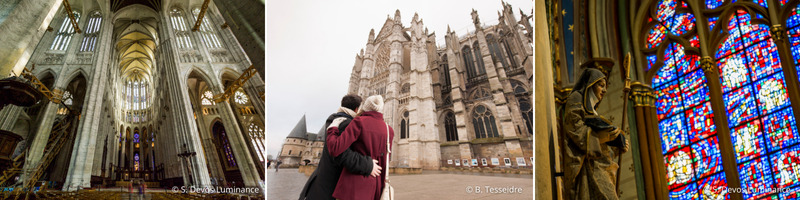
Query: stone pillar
x=19 y=38
x=236 y=137
x=38 y=143
x=183 y=124
x=86 y=137
x=423 y=129
x=545 y=119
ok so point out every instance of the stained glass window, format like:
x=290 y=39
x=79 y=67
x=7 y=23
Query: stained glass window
x=67 y=99
x=64 y=35
x=686 y=125
x=136 y=161
x=450 y=127
x=754 y=94
x=207 y=33
x=483 y=123
x=759 y=112
x=256 y=138
x=206 y=99
x=404 y=126
x=90 y=36
x=240 y=97
x=181 y=29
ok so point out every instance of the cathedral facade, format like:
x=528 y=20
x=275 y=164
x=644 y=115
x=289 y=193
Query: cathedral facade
x=141 y=81
x=465 y=103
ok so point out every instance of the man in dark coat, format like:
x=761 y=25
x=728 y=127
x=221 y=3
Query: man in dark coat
x=322 y=182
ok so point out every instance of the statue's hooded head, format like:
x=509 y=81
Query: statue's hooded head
x=592 y=85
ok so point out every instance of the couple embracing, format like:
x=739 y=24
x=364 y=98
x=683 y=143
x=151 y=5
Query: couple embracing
x=356 y=152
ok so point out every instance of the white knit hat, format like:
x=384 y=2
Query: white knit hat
x=373 y=103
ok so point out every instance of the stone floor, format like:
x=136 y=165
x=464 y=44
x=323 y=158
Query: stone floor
x=287 y=184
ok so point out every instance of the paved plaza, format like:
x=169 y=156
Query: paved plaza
x=287 y=184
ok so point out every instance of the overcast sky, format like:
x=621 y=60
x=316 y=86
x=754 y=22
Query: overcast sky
x=311 y=49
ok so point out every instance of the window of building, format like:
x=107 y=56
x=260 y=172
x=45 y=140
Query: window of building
x=404 y=126
x=445 y=70
x=496 y=51
x=483 y=123
x=207 y=98
x=405 y=88
x=257 y=140
x=64 y=35
x=90 y=35
x=757 y=107
x=451 y=132
x=208 y=34
x=67 y=98
x=527 y=114
x=240 y=97
x=466 y=52
x=479 y=67
x=181 y=29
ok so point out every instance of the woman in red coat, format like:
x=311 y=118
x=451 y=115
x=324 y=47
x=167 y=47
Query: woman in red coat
x=366 y=134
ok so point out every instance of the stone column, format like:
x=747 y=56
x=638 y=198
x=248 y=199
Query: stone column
x=39 y=141
x=239 y=145
x=423 y=129
x=545 y=119
x=182 y=119
x=86 y=137
x=19 y=37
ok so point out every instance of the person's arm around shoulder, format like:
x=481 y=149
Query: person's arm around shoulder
x=337 y=143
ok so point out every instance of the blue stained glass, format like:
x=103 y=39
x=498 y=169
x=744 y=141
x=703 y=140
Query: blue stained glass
x=794 y=18
x=666 y=9
x=713 y=187
x=700 y=120
x=752 y=33
x=684 y=192
x=651 y=60
x=706 y=156
x=792 y=193
x=794 y=41
x=740 y=106
x=711 y=4
x=732 y=44
x=747 y=141
x=685 y=63
x=693 y=88
x=786 y=167
x=673 y=133
x=681 y=23
x=763 y=59
x=771 y=94
x=656 y=36
x=669 y=100
x=780 y=128
x=711 y=22
x=762 y=3
x=756 y=176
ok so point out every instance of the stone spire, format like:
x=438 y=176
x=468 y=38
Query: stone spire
x=397 y=16
x=299 y=130
x=476 y=20
x=371 y=36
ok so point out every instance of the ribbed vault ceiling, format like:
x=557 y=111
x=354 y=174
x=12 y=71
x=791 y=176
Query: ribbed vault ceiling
x=135 y=46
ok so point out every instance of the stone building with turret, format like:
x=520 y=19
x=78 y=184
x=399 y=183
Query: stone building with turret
x=465 y=103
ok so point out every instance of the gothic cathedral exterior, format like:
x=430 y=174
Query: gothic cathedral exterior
x=463 y=102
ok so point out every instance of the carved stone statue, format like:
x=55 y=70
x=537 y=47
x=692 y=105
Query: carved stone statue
x=592 y=144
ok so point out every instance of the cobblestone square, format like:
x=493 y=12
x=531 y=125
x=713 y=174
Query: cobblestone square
x=287 y=184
